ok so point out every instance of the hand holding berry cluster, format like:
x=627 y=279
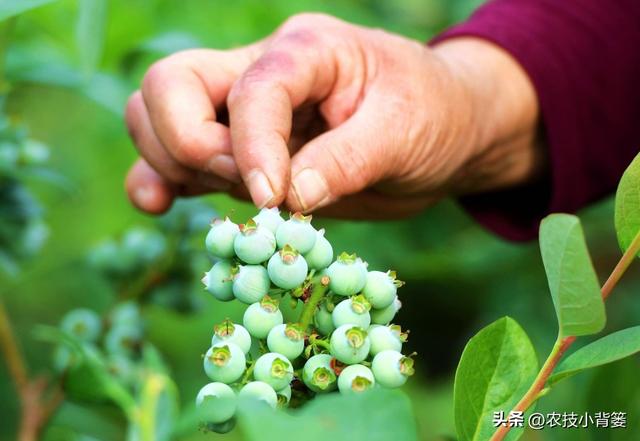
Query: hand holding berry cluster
x=312 y=325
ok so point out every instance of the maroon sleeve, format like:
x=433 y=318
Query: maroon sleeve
x=583 y=58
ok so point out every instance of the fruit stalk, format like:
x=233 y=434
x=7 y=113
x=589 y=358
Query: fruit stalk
x=320 y=286
x=562 y=344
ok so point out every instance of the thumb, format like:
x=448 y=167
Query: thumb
x=337 y=163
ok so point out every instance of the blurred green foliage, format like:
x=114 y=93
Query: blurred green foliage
x=72 y=64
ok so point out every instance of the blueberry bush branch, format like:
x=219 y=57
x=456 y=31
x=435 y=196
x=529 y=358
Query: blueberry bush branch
x=622 y=265
x=38 y=397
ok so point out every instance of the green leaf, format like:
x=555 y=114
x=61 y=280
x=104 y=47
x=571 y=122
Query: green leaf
x=90 y=33
x=572 y=280
x=377 y=415
x=11 y=8
x=496 y=368
x=627 y=211
x=606 y=350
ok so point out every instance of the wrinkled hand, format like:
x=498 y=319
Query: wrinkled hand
x=324 y=115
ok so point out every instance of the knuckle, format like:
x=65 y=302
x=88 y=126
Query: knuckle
x=157 y=75
x=262 y=77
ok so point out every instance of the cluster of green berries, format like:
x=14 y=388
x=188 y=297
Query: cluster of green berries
x=137 y=248
x=161 y=259
x=313 y=324
x=114 y=341
x=22 y=227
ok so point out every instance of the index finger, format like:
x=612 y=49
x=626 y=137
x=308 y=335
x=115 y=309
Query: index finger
x=296 y=67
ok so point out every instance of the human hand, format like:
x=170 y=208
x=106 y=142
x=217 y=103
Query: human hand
x=331 y=117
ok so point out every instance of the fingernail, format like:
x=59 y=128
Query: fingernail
x=260 y=188
x=310 y=188
x=224 y=166
x=144 y=196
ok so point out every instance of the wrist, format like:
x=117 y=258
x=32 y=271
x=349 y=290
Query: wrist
x=502 y=113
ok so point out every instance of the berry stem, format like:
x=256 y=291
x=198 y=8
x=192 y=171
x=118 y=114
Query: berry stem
x=248 y=373
x=563 y=343
x=320 y=287
x=322 y=343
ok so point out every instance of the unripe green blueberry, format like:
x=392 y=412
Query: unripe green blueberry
x=140 y=245
x=386 y=337
x=355 y=378
x=291 y=308
x=218 y=401
x=258 y=391
x=229 y=332
x=381 y=288
x=284 y=396
x=274 y=369
x=251 y=283
x=323 y=320
x=33 y=152
x=347 y=274
x=297 y=232
x=391 y=368
x=287 y=268
x=260 y=317
x=106 y=256
x=269 y=218
x=82 y=323
x=220 y=239
x=64 y=357
x=352 y=311
x=350 y=344
x=219 y=281
x=321 y=254
x=385 y=315
x=318 y=374
x=224 y=362
x=254 y=244
x=123 y=369
x=126 y=314
x=122 y=339
x=286 y=339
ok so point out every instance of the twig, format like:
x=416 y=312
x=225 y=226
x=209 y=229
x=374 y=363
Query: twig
x=35 y=407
